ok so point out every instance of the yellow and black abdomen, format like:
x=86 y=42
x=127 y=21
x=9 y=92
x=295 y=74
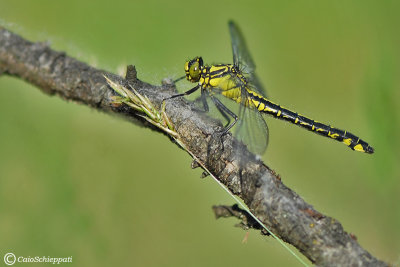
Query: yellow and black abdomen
x=266 y=106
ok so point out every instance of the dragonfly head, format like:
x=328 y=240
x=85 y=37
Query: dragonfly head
x=193 y=69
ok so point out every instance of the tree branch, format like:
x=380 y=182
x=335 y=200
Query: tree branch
x=320 y=238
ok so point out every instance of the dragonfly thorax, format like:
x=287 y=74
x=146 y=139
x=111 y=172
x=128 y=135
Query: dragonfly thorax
x=193 y=69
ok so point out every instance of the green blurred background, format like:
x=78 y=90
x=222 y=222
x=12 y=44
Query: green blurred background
x=76 y=182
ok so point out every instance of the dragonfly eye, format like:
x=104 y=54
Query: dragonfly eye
x=193 y=69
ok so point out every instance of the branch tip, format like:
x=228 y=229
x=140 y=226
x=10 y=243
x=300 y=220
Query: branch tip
x=131 y=74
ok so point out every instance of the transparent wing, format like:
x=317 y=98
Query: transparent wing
x=252 y=130
x=242 y=58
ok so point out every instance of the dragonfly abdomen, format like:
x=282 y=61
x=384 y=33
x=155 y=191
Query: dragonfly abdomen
x=265 y=106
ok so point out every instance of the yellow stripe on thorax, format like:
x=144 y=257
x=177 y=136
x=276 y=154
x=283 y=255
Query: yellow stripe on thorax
x=222 y=68
x=225 y=83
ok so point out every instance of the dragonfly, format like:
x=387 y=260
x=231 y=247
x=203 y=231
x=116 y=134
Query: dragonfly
x=239 y=83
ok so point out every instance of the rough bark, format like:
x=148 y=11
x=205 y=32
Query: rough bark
x=320 y=238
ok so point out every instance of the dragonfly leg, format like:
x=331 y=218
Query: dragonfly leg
x=226 y=116
x=224 y=110
x=180 y=78
x=204 y=100
x=188 y=92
